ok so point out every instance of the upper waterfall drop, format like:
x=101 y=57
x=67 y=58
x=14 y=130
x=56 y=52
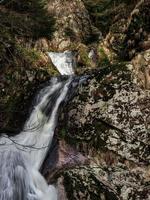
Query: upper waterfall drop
x=65 y=62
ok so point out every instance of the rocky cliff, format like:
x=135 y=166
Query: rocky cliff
x=101 y=148
x=108 y=121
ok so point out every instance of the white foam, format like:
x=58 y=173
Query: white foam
x=64 y=62
x=30 y=147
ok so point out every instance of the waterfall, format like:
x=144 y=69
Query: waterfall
x=65 y=62
x=22 y=155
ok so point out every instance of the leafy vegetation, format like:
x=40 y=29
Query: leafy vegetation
x=34 y=20
x=103 y=11
x=22 y=21
x=22 y=68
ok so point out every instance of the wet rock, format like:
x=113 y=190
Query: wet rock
x=61 y=157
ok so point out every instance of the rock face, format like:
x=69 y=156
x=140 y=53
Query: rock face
x=72 y=23
x=141 y=69
x=109 y=122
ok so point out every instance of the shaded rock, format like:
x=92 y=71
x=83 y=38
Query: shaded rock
x=84 y=183
x=129 y=32
x=61 y=190
x=141 y=69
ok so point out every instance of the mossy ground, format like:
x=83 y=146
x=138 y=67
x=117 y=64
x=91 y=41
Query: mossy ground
x=22 y=67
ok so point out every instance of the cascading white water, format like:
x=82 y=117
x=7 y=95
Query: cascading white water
x=64 y=62
x=22 y=155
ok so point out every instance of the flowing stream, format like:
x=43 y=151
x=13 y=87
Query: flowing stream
x=64 y=62
x=22 y=155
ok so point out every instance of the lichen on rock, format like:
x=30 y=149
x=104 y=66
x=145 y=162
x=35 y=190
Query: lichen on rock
x=110 y=114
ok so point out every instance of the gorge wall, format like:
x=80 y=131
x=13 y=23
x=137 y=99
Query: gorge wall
x=102 y=139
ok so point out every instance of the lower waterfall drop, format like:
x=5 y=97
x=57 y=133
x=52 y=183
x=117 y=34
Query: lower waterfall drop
x=22 y=155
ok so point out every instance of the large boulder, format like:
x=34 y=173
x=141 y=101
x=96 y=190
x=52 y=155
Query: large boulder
x=108 y=121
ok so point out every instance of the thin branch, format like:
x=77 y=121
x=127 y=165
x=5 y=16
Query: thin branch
x=24 y=146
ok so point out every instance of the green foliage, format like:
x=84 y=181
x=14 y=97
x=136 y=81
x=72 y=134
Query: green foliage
x=27 y=18
x=63 y=133
x=83 y=52
x=103 y=11
x=29 y=56
x=22 y=21
x=30 y=6
x=104 y=58
x=96 y=9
